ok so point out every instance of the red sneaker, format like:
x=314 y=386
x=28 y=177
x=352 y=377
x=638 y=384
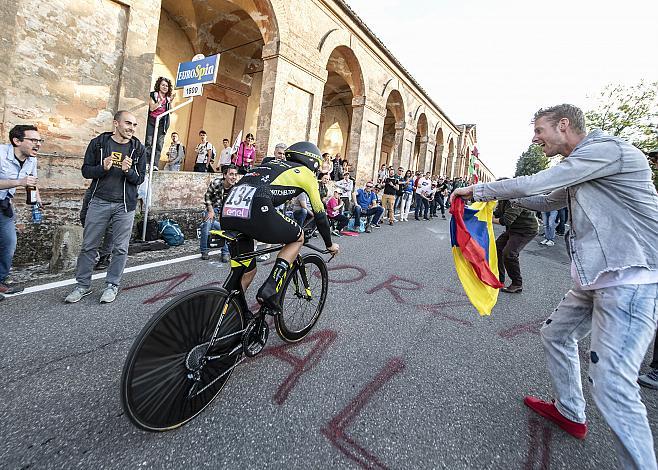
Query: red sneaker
x=548 y=411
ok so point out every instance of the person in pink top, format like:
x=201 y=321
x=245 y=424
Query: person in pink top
x=245 y=156
x=160 y=101
x=334 y=211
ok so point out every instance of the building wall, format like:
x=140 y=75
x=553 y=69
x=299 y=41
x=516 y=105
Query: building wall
x=89 y=58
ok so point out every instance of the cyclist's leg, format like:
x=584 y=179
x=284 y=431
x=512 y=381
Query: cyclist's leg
x=281 y=229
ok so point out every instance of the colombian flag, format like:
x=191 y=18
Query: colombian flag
x=474 y=251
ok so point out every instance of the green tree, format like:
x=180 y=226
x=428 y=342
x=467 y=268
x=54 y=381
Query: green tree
x=531 y=161
x=630 y=112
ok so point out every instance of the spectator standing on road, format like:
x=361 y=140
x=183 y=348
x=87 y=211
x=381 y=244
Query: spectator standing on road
x=105 y=251
x=175 y=154
x=442 y=189
x=160 y=100
x=400 y=189
x=549 y=218
x=615 y=273
x=388 y=199
x=214 y=198
x=18 y=167
x=423 y=187
x=562 y=218
x=246 y=154
x=365 y=203
x=520 y=228
x=116 y=163
x=204 y=153
x=407 y=195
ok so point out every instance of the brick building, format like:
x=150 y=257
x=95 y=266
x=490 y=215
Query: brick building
x=289 y=70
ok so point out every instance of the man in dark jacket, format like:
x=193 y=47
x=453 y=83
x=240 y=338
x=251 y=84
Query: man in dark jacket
x=520 y=227
x=116 y=163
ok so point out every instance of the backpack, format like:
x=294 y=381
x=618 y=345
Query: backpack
x=152 y=230
x=170 y=232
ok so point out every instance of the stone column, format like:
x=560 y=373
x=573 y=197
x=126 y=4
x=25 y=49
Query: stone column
x=266 y=105
x=399 y=143
x=353 y=151
x=369 y=125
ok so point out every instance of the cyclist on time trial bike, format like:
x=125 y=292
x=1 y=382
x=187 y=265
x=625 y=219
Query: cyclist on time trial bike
x=250 y=209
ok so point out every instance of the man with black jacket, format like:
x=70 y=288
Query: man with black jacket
x=520 y=227
x=116 y=163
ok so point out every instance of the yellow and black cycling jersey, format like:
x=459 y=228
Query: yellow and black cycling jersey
x=277 y=182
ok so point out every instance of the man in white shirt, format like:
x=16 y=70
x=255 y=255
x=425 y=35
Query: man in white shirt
x=225 y=154
x=423 y=187
x=204 y=153
x=346 y=187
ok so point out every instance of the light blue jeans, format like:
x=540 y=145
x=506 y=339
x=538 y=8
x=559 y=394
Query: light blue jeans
x=622 y=323
x=550 y=222
x=7 y=244
x=206 y=227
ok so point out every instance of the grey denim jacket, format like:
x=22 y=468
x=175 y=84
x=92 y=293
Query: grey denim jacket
x=613 y=205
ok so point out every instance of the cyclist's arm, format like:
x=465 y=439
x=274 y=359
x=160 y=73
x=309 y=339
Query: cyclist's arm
x=309 y=184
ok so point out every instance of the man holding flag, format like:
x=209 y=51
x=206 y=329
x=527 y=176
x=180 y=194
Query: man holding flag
x=613 y=206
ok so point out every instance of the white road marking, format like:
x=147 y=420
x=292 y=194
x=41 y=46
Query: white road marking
x=132 y=269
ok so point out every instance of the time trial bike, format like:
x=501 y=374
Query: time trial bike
x=185 y=354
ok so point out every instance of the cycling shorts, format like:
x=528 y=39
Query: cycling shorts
x=261 y=221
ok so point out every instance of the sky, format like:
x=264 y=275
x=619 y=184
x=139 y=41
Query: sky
x=494 y=63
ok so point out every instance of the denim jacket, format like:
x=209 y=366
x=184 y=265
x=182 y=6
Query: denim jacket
x=613 y=205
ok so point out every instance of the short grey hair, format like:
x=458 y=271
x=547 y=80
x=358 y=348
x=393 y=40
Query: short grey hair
x=281 y=146
x=553 y=114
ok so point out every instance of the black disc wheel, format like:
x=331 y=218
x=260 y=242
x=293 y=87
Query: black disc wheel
x=172 y=371
x=303 y=298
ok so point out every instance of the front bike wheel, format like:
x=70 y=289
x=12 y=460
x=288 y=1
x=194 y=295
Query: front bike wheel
x=303 y=297
x=172 y=372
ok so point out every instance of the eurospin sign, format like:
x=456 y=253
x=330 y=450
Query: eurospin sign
x=197 y=72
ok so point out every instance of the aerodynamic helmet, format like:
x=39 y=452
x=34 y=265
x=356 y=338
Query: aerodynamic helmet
x=307 y=154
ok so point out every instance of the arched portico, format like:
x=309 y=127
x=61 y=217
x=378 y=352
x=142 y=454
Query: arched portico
x=450 y=170
x=393 y=132
x=343 y=99
x=439 y=161
x=239 y=31
x=418 y=160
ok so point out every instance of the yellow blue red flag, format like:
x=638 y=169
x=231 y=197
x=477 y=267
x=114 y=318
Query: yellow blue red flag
x=474 y=251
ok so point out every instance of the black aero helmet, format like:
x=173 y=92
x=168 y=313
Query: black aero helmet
x=306 y=153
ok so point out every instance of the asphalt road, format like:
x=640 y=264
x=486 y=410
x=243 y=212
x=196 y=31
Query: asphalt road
x=406 y=377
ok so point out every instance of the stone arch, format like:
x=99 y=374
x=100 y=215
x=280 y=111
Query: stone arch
x=344 y=87
x=418 y=157
x=239 y=30
x=393 y=131
x=439 y=161
x=339 y=42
